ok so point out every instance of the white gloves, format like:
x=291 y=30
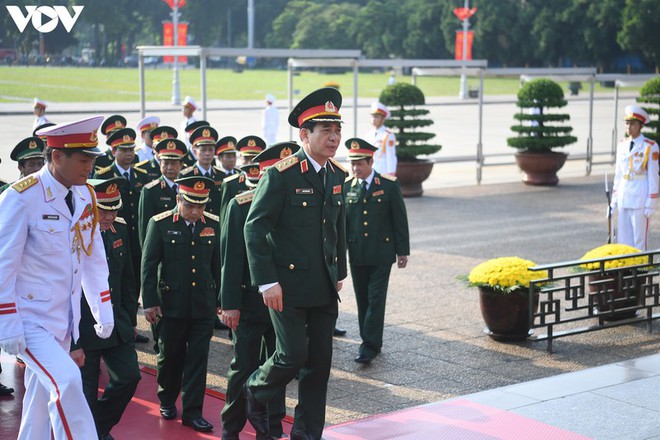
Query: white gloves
x=104 y=331
x=648 y=212
x=13 y=345
x=613 y=205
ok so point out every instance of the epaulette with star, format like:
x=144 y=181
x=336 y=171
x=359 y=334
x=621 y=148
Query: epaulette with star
x=348 y=179
x=245 y=197
x=212 y=216
x=388 y=177
x=338 y=165
x=120 y=220
x=649 y=141
x=140 y=170
x=162 y=215
x=152 y=184
x=104 y=170
x=139 y=164
x=232 y=177
x=25 y=183
x=286 y=163
x=187 y=171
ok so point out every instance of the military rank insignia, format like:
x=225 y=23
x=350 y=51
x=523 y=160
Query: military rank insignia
x=378 y=193
x=207 y=232
x=336 y=189
x=117 y=243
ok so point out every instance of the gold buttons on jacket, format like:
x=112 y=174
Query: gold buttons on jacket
x=292 y=266
x=387 y=238
x=364 y=212
x=366 y=234
x=194 y=284
x=192 y=243
x=366 y=223
x=304 y=204
x=194 y=271
x=192 y=257
x=30 y=297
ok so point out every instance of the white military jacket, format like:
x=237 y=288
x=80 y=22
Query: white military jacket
x=636 y=176
x=385 y=157
x=44 y=261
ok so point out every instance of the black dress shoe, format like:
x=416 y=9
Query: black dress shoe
x=256 y=413
x=363 y=359
x=198 y=424
x=168 y=412
x=141 y=339
x=338 y=332
x=5 y=391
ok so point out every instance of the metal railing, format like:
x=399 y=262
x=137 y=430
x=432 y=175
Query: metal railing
x=572 y=300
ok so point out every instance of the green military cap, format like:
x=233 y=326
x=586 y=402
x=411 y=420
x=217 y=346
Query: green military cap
x=28 y=148
x=251 y=145
x=163 y=132
x=195 y=125
x=359 y=149
x=122 y=138
x=275 y=153
x=195 y=189
x=251 y=171
x=225 y=145
x=205 y=135
x=112 y=124
x=171 y=149
x=41 y=127
x=108 y=197
x=321 y=105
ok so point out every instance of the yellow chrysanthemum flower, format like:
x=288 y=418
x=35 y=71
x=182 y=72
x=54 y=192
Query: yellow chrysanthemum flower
x=505 y=274
x=609 y=250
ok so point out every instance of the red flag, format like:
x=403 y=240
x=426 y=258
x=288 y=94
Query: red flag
x=463 y=13
x=178 y=3
x=168 y=39
x=458 y=55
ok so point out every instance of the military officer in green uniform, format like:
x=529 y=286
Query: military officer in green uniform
x=296 y=247
x=190 y=158
x=249 y=147
x=377 y=235
x=109 y=126
x=203 y=141
x=29 y=153
x=160 y=195
x=226 y=158
x=147 y=159
x=243 y=309
x=118 y=351
x=180 y=290
x=122 y=143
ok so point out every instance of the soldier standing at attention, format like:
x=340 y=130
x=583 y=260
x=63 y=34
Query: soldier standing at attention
x=147 y=159
x=635 y=189
x=39 y=110
x=382 y=138
x=181 y=281
x=29 y=153
x=203 y=141
x=270 y=120
x=50 y=250
x=109 y=126
x=377 y=235
x=296 y=247
x=243 y=310
x=188 y=109
x=118 y=351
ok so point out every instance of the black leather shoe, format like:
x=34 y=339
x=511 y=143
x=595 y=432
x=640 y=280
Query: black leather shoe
x=338 y=332
x=168 y=412
x=198 y=424
x=141 y=339
x=363 y=359
x=5 y=391
x=227 y=435
x=256 y=413
x=298 y=435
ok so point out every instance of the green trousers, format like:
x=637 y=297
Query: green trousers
x=370 y=285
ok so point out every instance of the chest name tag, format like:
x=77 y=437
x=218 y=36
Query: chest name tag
x=173 y=232
x=378 y=193
x=351 y=194
x=50 y=217
x=165 y=198
x=304 y=190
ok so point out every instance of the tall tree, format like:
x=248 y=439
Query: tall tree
x=424 y=37
x=378 y=29
x=641 y=29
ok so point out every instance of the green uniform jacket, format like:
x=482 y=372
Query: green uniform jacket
x=213 y=205
x=123 y=293
x=230 y=188
x=180 y=272
x=237 y=291
x=291 y=216
x=4 y=186
x=104 y=161
x=189 y=160
x=377 y=223
x=151 y=167
x=156 y=197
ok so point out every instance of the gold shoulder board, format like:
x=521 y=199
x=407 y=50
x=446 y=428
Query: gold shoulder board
x=152 y=183
x=25 y=183
x=186 y=171
x=141 y=163
x=103 y=170
x=348 y=179
x=338 y=165
x=232 y=177
x=388 y=177
x=245 y=197
x=212 y=216
x=286 y=163
x=140 y=170
x=162 y=215
x=120 y=220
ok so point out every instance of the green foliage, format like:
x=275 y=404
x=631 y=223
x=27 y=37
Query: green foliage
x=650 y=94
x=541 y=136
x=401 y=98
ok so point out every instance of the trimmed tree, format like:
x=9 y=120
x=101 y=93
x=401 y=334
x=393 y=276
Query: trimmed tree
x=650 y=94
x=537 y=132
x=403 y=101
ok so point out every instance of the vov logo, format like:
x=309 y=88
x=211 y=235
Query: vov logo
x=44 y=18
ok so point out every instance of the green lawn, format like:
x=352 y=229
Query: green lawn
x=67 y=84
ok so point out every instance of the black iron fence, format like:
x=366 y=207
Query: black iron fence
x=575 y=299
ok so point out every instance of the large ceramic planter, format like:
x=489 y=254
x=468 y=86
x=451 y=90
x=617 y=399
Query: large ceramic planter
x=411 y=175
x=540 y=168
x=507 y=316
x=610 y=296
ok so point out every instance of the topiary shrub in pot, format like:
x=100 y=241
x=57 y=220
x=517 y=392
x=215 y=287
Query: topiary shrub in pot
x=540 y=131
x=650 y=94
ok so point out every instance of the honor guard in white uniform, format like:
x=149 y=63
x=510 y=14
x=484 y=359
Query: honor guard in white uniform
x=40 y=113
x=145 y=150
x=189 y=107
x=270 y=120
x=382 y=138
x=635 y=190
x=51 y=249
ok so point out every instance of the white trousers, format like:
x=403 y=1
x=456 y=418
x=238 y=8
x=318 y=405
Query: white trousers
x=54 y=398
x=633 y=228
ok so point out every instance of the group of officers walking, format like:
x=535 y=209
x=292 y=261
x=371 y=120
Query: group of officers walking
x=264 y=247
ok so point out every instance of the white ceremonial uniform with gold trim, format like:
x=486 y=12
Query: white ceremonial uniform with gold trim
x=385 y=157
x=44 y=264
x=182 y=130
x=635 y=190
